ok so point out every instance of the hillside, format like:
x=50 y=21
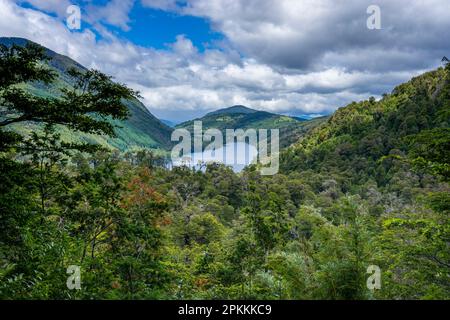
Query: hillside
x=233 y=110
x=363 y=140
x=241 y=117
x=142 y=129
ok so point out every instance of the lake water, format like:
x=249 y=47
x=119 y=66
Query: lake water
x=238 y=155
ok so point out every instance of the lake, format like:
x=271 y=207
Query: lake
x=238 y=155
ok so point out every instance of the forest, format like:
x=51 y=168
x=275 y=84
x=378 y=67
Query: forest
x=367 y=187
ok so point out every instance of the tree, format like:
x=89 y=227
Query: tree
x=34 y=241
x=85 y=106
x=137 y=239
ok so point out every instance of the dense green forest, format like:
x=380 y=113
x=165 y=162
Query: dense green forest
x=241 y=117
x=368 y=186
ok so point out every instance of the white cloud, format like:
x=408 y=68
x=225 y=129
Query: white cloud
x=161 y=4
x=285 y=56
x=53 y=6
x=115 y=12
x=304 y=34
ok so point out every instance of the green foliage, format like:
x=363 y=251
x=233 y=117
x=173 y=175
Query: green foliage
x=367 y=187
x=240 y=117
x=63 y=77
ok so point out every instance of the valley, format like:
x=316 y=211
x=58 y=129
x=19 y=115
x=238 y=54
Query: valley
x=366 y=188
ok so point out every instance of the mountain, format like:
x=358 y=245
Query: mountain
x=234 y=109
x=377 y=139
x=241 y=117
x=168 y=123
x=141 y=130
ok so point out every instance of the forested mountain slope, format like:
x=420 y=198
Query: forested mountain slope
x=365 y=190
x=141 y=129
x=241 y=117
x=366 y=139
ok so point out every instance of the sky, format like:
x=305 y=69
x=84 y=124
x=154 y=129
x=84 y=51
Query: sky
x=294 y=57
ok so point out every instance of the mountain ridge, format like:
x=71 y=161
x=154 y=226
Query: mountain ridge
x=141 y=130
x=242 y=117
x=231 y=110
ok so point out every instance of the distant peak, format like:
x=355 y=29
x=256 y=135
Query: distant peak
x=233 y=109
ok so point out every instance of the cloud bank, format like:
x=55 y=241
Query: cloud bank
x=287 y=56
